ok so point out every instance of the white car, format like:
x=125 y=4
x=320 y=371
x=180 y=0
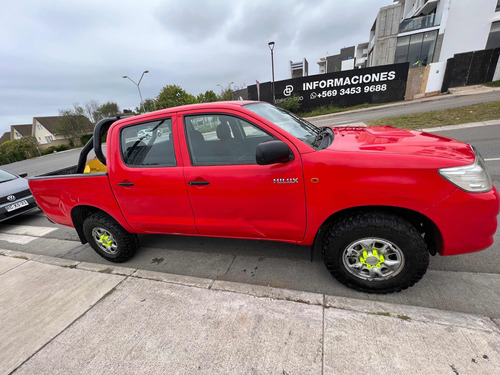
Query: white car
x=148 y=133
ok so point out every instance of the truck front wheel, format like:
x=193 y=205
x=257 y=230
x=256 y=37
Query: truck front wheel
x=375 y=252
x=109 y=239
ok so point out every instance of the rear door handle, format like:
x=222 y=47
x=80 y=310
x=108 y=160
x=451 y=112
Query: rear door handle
x=199 y=182
x=125 y=184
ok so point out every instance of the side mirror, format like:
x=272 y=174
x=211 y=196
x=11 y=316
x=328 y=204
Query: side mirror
x=273 y=152
x=23 y=175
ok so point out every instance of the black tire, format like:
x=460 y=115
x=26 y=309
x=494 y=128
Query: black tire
x=109 y=239
x=406 y=255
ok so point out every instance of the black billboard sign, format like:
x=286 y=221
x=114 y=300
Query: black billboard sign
x=380 y=84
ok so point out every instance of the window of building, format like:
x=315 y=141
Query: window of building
x=498 y=6
x=48 y=138
x=40 y=127
x=494 y=37
x=402 y=49
x=148 y=144
x=18 y=135
x=417 y=49
x=222 y=140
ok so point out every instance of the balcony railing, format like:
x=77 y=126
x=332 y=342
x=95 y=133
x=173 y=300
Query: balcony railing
x=418 y=23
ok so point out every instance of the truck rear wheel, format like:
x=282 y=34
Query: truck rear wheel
x=375 y=252
x=109 y=239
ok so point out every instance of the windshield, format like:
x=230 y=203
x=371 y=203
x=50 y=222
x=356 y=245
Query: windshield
x=6 y=176
x=287 y=121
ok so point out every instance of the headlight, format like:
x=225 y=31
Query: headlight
x=472 y=178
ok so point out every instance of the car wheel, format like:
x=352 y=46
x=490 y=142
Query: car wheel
x=109 y=239
x=375 y=252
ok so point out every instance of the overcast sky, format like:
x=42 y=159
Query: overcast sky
x=55 y=53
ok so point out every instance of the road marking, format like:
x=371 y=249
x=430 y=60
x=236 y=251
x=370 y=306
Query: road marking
x=492 y=159
x=27 y=230
x=17 y=238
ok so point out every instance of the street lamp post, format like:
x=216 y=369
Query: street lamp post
x=138 y=86
x=271 y=47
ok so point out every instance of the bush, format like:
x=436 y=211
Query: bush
x=49 y=150
x=62 y=147
x=85 y=138
x=291 y=104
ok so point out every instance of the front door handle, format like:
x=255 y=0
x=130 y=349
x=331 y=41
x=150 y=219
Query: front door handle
x=199 y=182
x=125 y=183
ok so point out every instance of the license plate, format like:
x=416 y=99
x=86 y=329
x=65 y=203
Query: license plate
x=16 y=205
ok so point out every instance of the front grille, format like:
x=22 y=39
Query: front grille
x=19 y=195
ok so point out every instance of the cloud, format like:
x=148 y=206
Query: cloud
x=195 y=22
x=62 y=52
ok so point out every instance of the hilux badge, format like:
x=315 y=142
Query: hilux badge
x=286 y=180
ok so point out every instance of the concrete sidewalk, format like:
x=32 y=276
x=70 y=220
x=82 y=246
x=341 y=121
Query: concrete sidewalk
x=66 y=317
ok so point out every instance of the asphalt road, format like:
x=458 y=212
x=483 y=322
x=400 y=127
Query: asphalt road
x=486 y=140
x=45 y=164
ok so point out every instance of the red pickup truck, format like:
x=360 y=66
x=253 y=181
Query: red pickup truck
x=377 y=200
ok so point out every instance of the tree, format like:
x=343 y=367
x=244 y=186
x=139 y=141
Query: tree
x=148 y=105
x=173 y=96
x=208 y=97
x=109 y=109
x=18 y=149
x=95 y=111
x=91 y=109
x=72 y=123
x=226 y=94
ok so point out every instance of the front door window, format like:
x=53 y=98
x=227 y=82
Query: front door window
x=222 y=140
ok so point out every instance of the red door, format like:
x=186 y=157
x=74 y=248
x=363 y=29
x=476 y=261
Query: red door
x=233 y=196
x=148 y=181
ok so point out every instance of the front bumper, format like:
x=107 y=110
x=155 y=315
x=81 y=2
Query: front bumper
x=5 y=215
x=467 y=221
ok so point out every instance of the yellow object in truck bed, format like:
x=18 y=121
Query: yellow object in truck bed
x=95 y=166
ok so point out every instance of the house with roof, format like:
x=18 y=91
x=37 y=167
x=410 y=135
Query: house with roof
x=19 y=131
x=45 y=130
x=5 y=137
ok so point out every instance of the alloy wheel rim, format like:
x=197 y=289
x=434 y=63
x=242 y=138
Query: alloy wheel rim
x=373 y=259
x=105 y=240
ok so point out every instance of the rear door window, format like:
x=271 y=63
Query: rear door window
x=148 y=144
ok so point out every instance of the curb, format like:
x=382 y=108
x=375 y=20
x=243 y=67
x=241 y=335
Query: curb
x=398 y=104
x=462 y=126
x=389 y=310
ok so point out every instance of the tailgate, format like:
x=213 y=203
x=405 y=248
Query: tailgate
x=58 y=195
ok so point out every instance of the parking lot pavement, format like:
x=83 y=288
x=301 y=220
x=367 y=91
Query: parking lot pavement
x=88 y=318
x=467 y=283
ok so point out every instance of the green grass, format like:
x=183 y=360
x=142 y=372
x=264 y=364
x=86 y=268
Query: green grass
x=326 y=110
x=493 y=84
x=453 y=116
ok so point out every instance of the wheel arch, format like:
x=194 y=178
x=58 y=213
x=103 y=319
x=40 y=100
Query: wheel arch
x=78 y=216
x=422 y=223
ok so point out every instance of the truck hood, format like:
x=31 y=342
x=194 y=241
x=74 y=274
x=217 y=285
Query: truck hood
x=398 y=141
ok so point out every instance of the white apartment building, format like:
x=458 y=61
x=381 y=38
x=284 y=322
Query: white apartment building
x=430 y=31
